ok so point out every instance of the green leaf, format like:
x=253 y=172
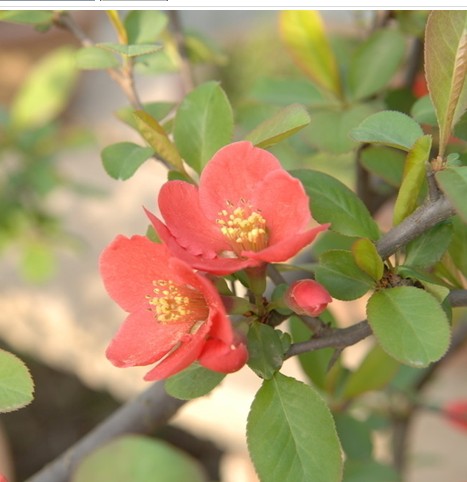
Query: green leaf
x=355 y=436
x=453 y=182
x=34 y=17
x=284 y=124
x=137 y=459
x=94 y=58
x=315 y=364
x=369 y=471
x=367 y=258
x=121 y=160
x=338 y=272
x=390 y=128
x=410 y=325
x=413 y=179
x=329 y=129
x=203 y=124
x=154 y=134
x=423 y=111
x=291 y=434
x=193 y=382
x=288 y=91
x=144 y=26
x=384 y=162
x=16 y=384
x=333 y=202
x=130 y=50
x=375 y=371
x=265 y=351
x=446 y=67
x=158 y=110
x=375 y=63
x=302 y=32
x=458 y=247
x=427 y=249
x=46 y=91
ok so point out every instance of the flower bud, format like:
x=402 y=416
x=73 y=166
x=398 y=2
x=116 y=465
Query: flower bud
x=456 y=413
x=307 y=297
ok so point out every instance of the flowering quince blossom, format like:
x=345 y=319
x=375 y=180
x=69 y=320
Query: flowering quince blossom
x=307 y=297
x=456 y=413
x=246 y=212
x=175 y=315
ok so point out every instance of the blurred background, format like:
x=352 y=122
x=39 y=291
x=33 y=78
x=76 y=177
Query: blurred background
x=59 y=209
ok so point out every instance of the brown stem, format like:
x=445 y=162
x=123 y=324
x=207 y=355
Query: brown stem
x=186 y=72
x=143 y=415
x=123 y=77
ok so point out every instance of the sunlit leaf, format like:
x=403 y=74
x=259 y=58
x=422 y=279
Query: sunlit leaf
x=144 y=26
x=390 y=128
x=130 y=50
x=410 y=325
x=446 y=68
x=265 y=350
x=282 y=125
x=203 y=124
x=341 y=276
x=94 y=58
x=300 y=435
x=303 y=34
x=412 y=179
x=154 y=134
x=16 y=384
x=121 y=160
x=333 y=202
x=367 y=258
x=34 y=17
x=193 y=382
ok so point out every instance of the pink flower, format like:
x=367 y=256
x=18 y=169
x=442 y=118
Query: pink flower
x=307 y=297
x=175 y=315
x=246 y=212
x=3 y=478
x=456 y=413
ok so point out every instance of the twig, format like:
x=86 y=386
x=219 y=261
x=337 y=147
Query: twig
x=123 y=77
x=424 y=218
x=338 y=338
x=186 y=73
x=150 y=410
x=458 y=298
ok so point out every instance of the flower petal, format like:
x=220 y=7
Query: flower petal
x=182 y=357
x=223 y=358
x=286 y=248
x=128 y=267
x=179 y=206
x=217 y=265
x=233 y=173
x=141 y=340
x=284 y=204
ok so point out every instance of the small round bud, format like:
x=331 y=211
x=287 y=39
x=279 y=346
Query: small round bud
x=307 y=297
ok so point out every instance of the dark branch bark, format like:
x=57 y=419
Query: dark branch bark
x=150 y=410
x=424 y=218
x=338 y=338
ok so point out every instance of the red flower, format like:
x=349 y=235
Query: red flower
x=456 y=413
x=247 y=211
x=175 y=315
x=307 y=297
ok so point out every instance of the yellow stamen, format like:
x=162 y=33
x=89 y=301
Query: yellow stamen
x=244 y=228
x=173 y=303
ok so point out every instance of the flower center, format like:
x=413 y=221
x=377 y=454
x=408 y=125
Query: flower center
x=244 y=227
x=173 y=303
